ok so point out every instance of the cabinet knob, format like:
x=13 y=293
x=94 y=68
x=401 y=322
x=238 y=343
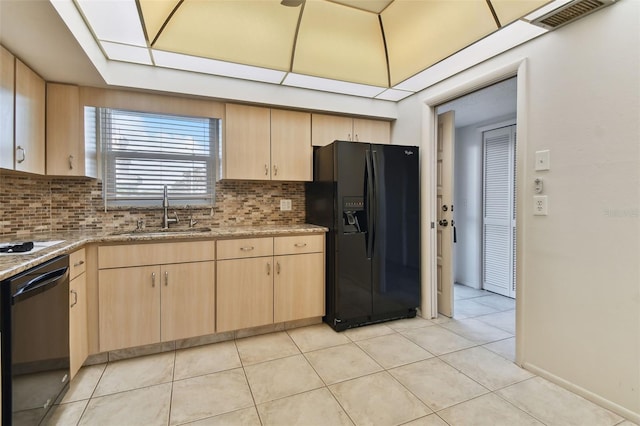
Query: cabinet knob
x=248 y=248
x=153 y=279
x=300 y=245
x=266 y=170
x=71 y=162
x=275 y=170
x=278 y=268
x=268 y=268
x=166 y=278
x=75 y=265
x=21 y=154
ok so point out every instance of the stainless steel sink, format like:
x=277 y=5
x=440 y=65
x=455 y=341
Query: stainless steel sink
x=160 y=231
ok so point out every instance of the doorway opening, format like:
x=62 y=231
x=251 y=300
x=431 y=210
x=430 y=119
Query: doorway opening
x=482 y=218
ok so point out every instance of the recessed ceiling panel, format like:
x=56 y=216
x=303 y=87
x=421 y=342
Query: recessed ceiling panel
x=421 y=33
x=118 y=23
x=155 y=13
x=259 y=33
x=510 y=10
x=342 y=43
x=375 y=6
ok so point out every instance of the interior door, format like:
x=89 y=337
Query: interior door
x=444 y=204
x=498 y=225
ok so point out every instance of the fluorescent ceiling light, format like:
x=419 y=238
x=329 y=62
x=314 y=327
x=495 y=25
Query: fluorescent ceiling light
x=115 y=21
x=498 y=42
x=212 y=66
x=335 y=86
x=126 y=53
x=393 y=95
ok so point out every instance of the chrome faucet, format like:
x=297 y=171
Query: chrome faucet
x=166 y=220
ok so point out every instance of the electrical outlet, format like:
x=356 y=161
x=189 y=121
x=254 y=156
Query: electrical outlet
x=285 y=205
x=540 y=207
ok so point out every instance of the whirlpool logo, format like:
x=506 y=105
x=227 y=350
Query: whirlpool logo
x=407 y=152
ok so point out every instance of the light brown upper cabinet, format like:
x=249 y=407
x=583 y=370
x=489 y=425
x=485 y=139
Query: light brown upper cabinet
x=29 y=120
x=7 y=95
x=247 y=147
x=266 y=144
x=65 y=136
x=291 y=151
x=327 y=128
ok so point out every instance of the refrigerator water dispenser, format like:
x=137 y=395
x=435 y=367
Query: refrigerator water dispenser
x=353 y=215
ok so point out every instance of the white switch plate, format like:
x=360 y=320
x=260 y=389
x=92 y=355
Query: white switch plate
x=540 y=207
x=285 y=205
x=543 y=160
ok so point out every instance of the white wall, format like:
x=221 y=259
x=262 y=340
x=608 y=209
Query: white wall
x=579 y=304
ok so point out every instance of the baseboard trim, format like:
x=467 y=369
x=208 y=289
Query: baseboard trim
x=586 y=394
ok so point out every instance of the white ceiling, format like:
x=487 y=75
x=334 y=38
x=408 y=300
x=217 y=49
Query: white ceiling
x=47 y=35
x=489 y=103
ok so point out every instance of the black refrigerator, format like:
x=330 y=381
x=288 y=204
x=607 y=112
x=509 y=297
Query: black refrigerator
x=368 y=196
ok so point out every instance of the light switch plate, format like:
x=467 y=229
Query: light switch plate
x=543 y=160
x=540 y=207
x=285 y=205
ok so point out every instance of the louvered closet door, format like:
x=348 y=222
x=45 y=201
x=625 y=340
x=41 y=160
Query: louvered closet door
x=499 y=211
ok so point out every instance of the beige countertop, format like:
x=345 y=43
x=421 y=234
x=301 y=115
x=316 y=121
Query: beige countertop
x=73 y=240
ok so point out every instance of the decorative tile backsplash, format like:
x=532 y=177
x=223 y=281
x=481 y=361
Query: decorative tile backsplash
x=41 y=204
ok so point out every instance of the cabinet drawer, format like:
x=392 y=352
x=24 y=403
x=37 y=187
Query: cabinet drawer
x=77 y=263
x=299 y=244
x=249 y=247
x=125 y=255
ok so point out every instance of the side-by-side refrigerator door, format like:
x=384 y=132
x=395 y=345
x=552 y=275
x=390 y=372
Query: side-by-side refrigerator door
x=396 y=241
x=353 y=267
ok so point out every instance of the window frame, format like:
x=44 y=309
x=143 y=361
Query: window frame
x=108 y=157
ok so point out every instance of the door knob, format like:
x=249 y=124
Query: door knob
x=443 y=222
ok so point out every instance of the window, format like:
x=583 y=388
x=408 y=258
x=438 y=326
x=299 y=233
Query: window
x=142 y=152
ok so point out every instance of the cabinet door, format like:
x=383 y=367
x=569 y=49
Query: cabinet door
x=299 y=287
x=78 y=337
x=244 y=295
x=7 y=75
x=187 y=300
x=374 y=131
x=247 y=146
x=29 y=118
x=129 y=307
x=291 y=151
x=328 y=128
x=65 y=144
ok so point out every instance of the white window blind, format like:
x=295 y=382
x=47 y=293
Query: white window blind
x=142 y=152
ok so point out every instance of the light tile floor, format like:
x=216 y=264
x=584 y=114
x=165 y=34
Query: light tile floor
x=415 y=372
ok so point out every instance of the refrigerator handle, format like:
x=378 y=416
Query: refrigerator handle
x=374 y=198
x=370 y=201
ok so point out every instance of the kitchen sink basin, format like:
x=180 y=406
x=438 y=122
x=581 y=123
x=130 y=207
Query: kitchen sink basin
x=160 y=231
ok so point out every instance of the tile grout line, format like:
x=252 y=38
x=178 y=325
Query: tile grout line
x=246 y=379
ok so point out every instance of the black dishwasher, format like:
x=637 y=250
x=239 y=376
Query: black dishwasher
x=34 y=322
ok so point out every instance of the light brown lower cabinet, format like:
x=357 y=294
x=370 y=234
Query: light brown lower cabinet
x=298 y=287
x=78 y=333
x=188 y=300
x=149 y=304
x=245 y=293
x=266 y=289
x=129 y=307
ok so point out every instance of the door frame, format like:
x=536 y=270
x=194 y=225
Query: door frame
x=428 y=206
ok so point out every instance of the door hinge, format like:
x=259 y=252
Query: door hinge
x=433 y=225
